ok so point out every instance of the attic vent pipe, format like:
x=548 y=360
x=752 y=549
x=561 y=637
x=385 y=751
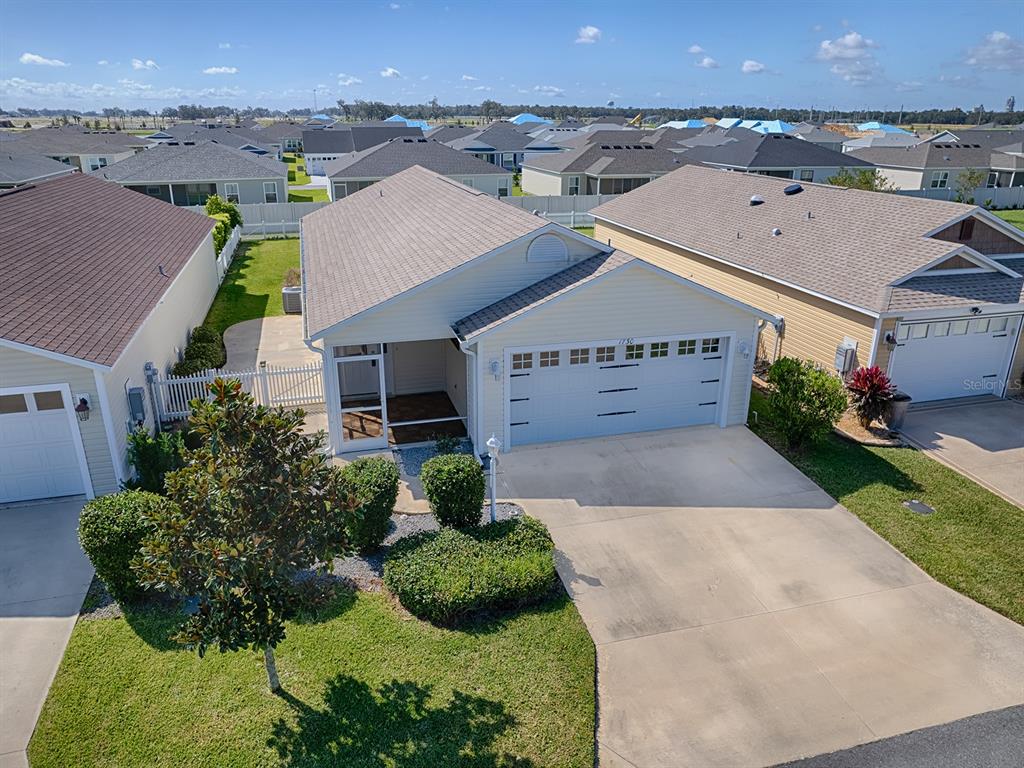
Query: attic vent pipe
x=793 y=189
x=756 y=200
x=776 y=232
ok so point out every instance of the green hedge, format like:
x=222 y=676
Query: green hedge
x=373 y=481
x=455 y=487
x=450 y=575
x=111 y=529
x=205 y=350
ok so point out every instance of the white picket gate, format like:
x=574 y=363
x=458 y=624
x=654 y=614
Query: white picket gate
x=269 y=385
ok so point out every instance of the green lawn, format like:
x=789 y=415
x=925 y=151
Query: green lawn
x=318 y=195
x=973 y=543
x=364 y=686
x=588 y=231
x=297 y=171
x=252 y=286
x=517 y=191
x=1014 y=217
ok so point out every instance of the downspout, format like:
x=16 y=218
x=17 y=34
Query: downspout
x=472 y=355
x=780 y=328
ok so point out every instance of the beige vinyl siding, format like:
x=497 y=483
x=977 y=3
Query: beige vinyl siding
x=538 y=182
x=906 y=179
x=24 y=369
x=630 y=302
x=416 y=366
x=813 y=327
x=884 y=352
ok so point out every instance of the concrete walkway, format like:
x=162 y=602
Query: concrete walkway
x=983 y=440
x=274 y=340
x=741 y=616
x=44 y=576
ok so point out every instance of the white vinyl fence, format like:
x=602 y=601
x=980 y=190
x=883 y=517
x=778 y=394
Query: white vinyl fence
x=270 y=218
x=227 y=253
x=568 y=210
x=1001 y=197
x=269 y=385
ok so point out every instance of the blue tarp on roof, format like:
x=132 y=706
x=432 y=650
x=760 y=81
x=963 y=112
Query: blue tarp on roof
x=749 y=124
x=321 y=116
x=423 y=125
x=684 y=124
x=874 y=125
x=529 y=117
x=728 y=122
x=773 y=126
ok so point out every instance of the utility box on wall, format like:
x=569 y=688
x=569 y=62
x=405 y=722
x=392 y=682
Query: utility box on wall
x=846 y=356
x=137 y=404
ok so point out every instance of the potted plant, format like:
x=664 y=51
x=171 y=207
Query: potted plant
x=871 y=394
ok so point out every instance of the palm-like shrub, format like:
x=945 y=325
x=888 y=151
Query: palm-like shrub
x=871 y=394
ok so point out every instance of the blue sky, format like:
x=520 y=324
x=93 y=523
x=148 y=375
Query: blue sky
x=849 y=55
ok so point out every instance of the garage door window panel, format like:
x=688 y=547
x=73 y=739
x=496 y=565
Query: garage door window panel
x=48 y=401
x=709 y=346
x=997 y=325
x=981 y=326
x=12 y=404
x=687 y=347
x=659 y=349
x=940 y=329
x=522 y=361
x=634 y=351
x=549 y=359
x=958 y=327
x=604 y=354
x=579 y=356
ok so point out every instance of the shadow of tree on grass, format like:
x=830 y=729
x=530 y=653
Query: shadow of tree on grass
x=395 y=725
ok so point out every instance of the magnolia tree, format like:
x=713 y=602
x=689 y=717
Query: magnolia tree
x=254 y=505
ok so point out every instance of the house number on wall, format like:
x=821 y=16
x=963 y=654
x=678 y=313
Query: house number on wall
x=623 y=342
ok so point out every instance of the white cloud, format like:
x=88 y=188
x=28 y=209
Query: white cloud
x=425 y=77
x=223 y=46
x=908 y=86
x=695 y=49
x=102 y=62
x=124 y=89
x=482 y=88
x=220 y=71
x=852 y=45
x=751 y=67
x=588 y=35
x=959 y=81
x=147 y=64
x=35 y=58
x=998 y=51
x=347 y=80
x=390 y=72
x=706 y=63
x=394 y=6
x=469 y=77
x=549 y=90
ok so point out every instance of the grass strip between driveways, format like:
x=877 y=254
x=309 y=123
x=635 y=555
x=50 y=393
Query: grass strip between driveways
x=1014 y=217
x=364 y=686
x=252 y=286
x=973 y=543
x=297 y=175
x=318 y=195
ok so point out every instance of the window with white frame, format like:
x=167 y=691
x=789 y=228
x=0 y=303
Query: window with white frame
x=981 y=325
x=958 y=327
x=269 y=192
x=574 y=185
x=919 y=331
x=940 y=179
x=579 y=356
x=659 y=349
x=709 y=346
x=522 y=361
x=549 y=358
x=993 y=180
x=231 y=192
x=997 y=325
x=807 y=174
x=634 y=351
x=687 y=347
x=604 y=354
x=503 y=190
x=468 y=182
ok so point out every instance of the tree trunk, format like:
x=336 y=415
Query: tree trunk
x=272 y=678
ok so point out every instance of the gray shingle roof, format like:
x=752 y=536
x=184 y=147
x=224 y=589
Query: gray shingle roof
x=500 y=137
x=232 y=137
x=396 y=155
x=941 y=291
x=539 y=293
x=70 y=140
x=81 y=263
x=204 y=161
x=276 y=132
x=403 y=231
x=772 y=150
x=627 y=157
x=23 y=167
x=353 y=138
x=926 y=155
x=852 y=247
x=447 y=133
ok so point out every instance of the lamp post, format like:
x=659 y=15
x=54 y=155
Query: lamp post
x=493 y=448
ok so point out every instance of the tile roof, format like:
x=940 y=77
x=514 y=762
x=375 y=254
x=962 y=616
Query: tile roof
x=203 y=161
x=403 y=152
x=539 y=293
x=772 y=150
x=81 y=261
x=23 y=167
x=846 y=244
x=401 y=232
x=353 y=138
x=939 y=291
x=627 y=156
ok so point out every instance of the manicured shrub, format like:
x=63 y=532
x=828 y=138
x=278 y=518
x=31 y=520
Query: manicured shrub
x=204 y=334
x=446 y=444
x=188 y=367
x=449 y=575
x=218 y=205
x=221 y=232
x=211 y=354
x=455 y=487
x=373 y=482
x=871 y=394
x=111 y=530
x=804 y=402
x=152 y=457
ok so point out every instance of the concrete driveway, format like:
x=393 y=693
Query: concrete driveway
x=43 y=579
x=741 y=616
x=982 y=439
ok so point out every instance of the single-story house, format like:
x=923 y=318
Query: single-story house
x=99 y=283
x=691 y=123
x=281 y=137
x=502 y=145
x=528 y=117
x=20 y=168
x=929 y=290
x=359 y=170
x=816 y=135
x=322 y=146
x=188 y=174
x=593 y=169
x=439 y=307
x=83 y=149
x=879 y=139
x=236 y=137
x=874 y=125
x=423 y=125
x=447 y=133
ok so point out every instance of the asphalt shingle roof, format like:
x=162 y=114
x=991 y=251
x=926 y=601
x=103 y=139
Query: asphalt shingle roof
x=203 y=161
x=772 y=150
x=80 y=262
x=22 y=167
x=501 y=137
x=386 y=239
x=70 y=140
x=847 y=244
x=353 y=138
x=630 y=156
x=447 y=133
x=926 y=155
x=396 y=155
x=941 y=291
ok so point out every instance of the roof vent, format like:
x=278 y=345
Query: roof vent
x=756 y=200
x=776 y=232
x=793 y=189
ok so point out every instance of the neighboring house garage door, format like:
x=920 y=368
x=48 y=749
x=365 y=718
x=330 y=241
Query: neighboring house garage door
x=40 y=447
x=953 y=358
x=601 y=388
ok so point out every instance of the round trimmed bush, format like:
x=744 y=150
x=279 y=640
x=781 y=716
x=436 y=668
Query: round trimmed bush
x=455 y=487
x=210 y=354
x=449 y=575
x=111 y=529
x=203 y=334
x=188 y=367
x=373 y=481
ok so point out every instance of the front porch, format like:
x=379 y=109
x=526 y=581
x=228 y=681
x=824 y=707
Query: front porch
x=411 y=419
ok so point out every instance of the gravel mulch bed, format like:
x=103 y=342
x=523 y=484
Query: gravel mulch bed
x=410 y=460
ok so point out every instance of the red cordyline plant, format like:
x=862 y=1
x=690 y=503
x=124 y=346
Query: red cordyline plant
x=871 y=394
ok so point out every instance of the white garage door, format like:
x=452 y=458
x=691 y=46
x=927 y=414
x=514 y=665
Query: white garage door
x=953 y=358
x=39 y=446
x=595 y=389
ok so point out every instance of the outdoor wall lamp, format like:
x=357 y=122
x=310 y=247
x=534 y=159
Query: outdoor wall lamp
x=495 y=367
x=82 y=408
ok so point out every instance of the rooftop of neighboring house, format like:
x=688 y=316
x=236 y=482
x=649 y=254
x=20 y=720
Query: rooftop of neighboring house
x=86 y=262
x=927 y=155
x=72 y=140
x=18 y=168
x=387 y=239
x=353 y=138
x=531 y=127
x=231 y=136
x=816 y=134
x=847 y=244
x=620 y=159
x=446 y=133
x=671 y=138
x=279 y=131
x=770 y=150
x=499 y=137
x=395 y=155
x=604 y=136
x=992 y=139
x=204 y=161
x=877 y=139
x=610 y=119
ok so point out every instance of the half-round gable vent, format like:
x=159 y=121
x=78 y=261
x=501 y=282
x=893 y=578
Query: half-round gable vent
x=547 y=248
